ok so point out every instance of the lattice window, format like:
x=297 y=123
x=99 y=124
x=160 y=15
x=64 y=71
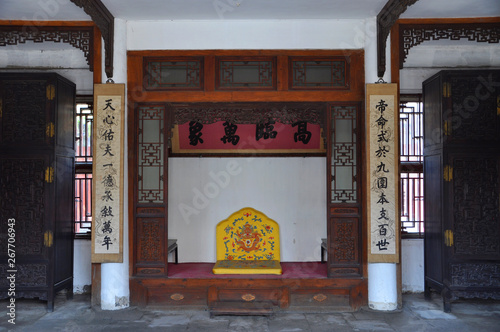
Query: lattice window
x=411 y=157
x=84 y=124
x=324 y=73
x=173 y=74
x=150 y=154
x=241 y=73
x=344 y=154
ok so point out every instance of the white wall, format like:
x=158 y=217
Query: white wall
x=412 y=265
x=82 y=278
x=205 y=191
x=257 y=34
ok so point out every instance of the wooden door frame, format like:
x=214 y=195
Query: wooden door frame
x=354 y=95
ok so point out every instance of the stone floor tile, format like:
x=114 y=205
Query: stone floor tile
x=249 y=324
x=208 y=326
x=435 y=314
x=370 y=325
x=180 y=321
x=289 y=324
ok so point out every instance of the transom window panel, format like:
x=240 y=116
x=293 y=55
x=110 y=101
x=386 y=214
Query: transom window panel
x=318 y=73
x=173 y=73
x=242 y=73
x=344 y=154
x=151 y=154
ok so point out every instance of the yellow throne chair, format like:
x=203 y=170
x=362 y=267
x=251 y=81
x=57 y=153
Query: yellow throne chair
x=248 y=242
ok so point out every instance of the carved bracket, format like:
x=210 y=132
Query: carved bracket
x=385 y=20
x=104 y=20
x=81 y=38
x=411 y=35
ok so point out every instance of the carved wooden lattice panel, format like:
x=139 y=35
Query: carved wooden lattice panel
x=22 y=187
x=173 y=74
x=411 y=35
x=150 y=150
x=474 y=100
x=81 y=38
x=318 y=73
x=476 y=274
x=27 y=275
x=345 y=240
x=251 y=73
x=476 y=206
x=23 y=118
x=343 y=163
x=151 y=246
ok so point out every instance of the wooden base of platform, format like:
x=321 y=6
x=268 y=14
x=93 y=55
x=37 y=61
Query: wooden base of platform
x=243 y=292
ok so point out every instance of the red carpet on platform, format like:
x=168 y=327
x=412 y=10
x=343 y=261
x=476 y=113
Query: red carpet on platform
x=291 y=270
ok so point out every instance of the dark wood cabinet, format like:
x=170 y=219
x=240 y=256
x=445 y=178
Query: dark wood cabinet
x=36 y=184
x=462 y=184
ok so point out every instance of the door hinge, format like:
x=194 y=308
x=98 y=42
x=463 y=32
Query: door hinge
x=48 y=239
x=49 y=130
x=51 y=91
x=49 y=174
x=448 y=173
x=448 y=238
x=447 y=127
x=447 y=89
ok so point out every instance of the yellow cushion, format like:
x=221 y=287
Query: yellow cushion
x=247 y=236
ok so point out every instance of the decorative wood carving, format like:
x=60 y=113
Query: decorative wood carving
x=104 y=20
x=288 y=113
x=346 y=271
x=177 y=297
x=24 y=119
x=150 y=244
x=414 y=34
x=248 y=297
x=80 y=37
x=345 y=241
x=320 y=297
x=385 y=20
x=23 y=188
x=476 y=207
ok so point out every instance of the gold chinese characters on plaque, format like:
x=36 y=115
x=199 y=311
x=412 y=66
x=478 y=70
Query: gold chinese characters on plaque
x=382 y=154
x=107 y=224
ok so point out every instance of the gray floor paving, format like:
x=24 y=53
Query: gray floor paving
x=416 y=315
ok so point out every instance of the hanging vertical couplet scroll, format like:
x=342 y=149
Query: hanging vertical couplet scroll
x=107 y=227
x=382 y=158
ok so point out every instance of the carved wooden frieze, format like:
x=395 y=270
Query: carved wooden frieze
x=81 y=37
x=411 y=35
x=249 y=114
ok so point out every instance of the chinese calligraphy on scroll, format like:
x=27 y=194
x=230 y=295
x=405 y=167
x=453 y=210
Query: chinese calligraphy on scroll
x=383 y=223
x=107 y=232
